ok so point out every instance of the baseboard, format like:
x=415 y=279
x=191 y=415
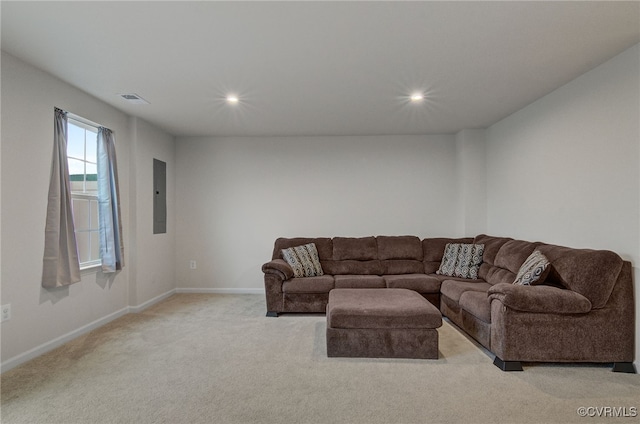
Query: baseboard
x=59 y=341
x=219 y=291
x=151 y=302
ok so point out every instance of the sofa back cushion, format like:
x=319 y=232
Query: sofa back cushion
x=433 y=251
x=488 y=271
x=592 y=273
x=400 y=254
x=351 y=248
x=506 y=262
x=399 y=247
x=491 y=246
x=513 y=253
x=353 y=255
x=324 y=246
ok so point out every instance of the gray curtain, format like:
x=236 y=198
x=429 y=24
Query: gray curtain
x=61 y=266
x=111 y=248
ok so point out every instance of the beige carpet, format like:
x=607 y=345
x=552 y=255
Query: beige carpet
x=218 y=359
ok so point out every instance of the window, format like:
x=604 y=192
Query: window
x=83 y=227
x=83 y=177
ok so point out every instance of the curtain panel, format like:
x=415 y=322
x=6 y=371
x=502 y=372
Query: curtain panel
x=61 y=265
x=111 y=247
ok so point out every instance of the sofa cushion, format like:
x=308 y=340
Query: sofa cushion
x=303 y=260
x=446 y=277
x=491 y=246
x=324 y=246
x=534 y=270
x=453 y=289
x=360 y=249
x=497 y=275
x=461 y=260
x=433 y=250
x=488 y=270
x=592 y=273
x=399 y=247
x=322 y=284
x=513 y=253
x=477 y=304
x=418 y=282
x=359 y=282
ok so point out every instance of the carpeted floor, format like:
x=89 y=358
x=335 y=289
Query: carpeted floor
x=198 y=358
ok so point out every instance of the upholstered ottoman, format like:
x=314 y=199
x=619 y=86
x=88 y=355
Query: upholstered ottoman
x=381 y=323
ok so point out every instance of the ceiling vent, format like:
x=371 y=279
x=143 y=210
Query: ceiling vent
x=134 y=99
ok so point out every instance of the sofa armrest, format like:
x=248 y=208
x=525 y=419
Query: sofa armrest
x=539 y=299
x=278 y=267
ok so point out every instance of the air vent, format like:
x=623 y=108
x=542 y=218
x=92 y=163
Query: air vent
x=134 y=98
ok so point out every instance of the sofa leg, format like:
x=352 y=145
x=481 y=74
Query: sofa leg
x=272 y=314
x=507 y=365
x=627 y=367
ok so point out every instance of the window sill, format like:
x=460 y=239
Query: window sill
x=90 y=268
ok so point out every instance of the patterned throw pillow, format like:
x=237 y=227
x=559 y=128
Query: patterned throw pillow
x=461 y=260
x=303 y=260
x=533 y=270
x=448 y=264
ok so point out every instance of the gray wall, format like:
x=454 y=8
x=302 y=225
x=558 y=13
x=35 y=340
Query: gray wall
x=237 y=195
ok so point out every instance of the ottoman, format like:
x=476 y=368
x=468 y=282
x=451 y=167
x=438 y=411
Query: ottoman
x=381 y=323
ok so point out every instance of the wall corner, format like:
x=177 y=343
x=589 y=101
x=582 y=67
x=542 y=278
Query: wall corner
x=471 y=173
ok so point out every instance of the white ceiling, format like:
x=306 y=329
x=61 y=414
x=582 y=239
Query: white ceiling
x=318 y=68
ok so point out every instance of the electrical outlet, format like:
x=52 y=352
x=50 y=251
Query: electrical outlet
x=6 y=312
x=192 y=264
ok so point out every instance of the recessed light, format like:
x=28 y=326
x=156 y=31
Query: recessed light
x=417 y=97
x=232 y=99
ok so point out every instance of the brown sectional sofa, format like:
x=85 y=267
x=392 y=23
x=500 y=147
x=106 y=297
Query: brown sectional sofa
x=584 y=312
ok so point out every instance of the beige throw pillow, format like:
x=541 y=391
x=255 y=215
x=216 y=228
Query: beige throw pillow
x=461 y=260
x=533 y=270
x=303 y=260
